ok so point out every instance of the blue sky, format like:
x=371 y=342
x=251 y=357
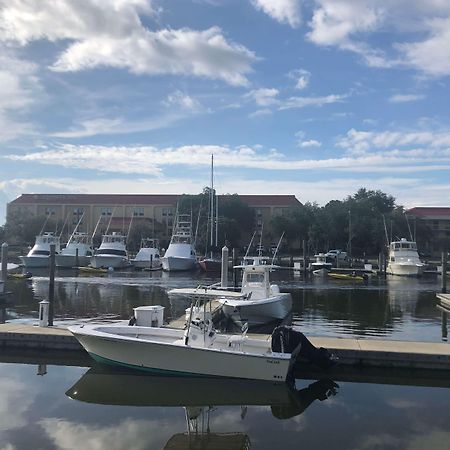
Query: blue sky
x=315 y=98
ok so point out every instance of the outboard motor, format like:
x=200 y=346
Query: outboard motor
x=287 y=340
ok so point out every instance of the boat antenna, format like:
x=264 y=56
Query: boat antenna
x=96 y=226
x=276 y=250
x=64 y=224
x=385 y=230
x=45 y=223
x=250 y=244
x=110 y=219
x=260 y=240
x=409 y=228
x=129 y=225
x=75 y=229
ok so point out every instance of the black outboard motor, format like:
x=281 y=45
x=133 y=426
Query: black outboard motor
x=287 y=340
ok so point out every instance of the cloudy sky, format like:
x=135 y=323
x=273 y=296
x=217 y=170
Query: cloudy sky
x=315 y=98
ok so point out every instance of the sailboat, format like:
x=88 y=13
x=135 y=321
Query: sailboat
x=213 y=263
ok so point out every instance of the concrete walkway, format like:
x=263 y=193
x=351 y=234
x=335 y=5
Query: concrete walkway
x=351 y=352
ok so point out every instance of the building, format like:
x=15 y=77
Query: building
x=436 y=218
x=116 y=210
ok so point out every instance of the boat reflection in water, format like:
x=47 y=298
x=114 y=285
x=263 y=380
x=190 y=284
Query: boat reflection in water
x=200 y=397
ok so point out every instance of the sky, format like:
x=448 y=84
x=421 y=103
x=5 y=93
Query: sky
x=315 y=98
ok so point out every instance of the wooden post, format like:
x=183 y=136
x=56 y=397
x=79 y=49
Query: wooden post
x=444 y=325
x=51 y=285
x=304 y=259
x=151 y=261
x=444 y=272
x=234 y=270
x=77 y=263
x=4 y=266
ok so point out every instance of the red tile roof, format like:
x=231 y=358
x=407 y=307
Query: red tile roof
x=143 y=199
x=429 y=211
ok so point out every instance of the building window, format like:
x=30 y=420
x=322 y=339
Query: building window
x=138 y=212
x=435 y=224
x=50 y=211
x=106 y=211
x=258 y=213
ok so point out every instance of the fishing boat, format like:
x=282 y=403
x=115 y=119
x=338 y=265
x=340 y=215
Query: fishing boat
x=180 y=254
x=199 y=350
x=148 y=256
x=111 y=253
x=404 y=259
x=346 y=276
x=321 y=262
x=39 y=255
x=262 y=302
x=77 y=252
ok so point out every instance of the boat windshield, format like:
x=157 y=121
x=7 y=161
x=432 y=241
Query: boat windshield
x=41 y=252
x=111 y=252
x=255 y=277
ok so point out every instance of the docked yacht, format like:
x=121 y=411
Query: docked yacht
x=180 y=254
x=404 y=259
x=77 y=252
x=321 y=262
x=39 y=255
x=148 y=256
x=111 y=253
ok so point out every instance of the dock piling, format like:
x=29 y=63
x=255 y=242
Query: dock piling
x=51 y=285
x=224 y=271
x=4 y=266
x=444 y=272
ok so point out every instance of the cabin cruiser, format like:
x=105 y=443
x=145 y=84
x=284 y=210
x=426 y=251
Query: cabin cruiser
x=180 y=254
x=39 y=255
x=321 y=262
x=111 y=253
x=77 y=252
x=148 y=256
x=404 y=259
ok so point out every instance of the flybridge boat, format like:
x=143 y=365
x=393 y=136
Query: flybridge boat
x=78 y=243
x=261 y=301
x=111 y=253
x=180 y=255
x=39 y=255
x=148 y=256
x=404 y=259
x=199 y=350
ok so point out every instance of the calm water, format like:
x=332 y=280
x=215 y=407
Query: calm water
x=75 y=404
x=97 y=408
x=395 y=308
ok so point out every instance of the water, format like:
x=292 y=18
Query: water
x=76 y=404
x=103 y=408
x=395 y=308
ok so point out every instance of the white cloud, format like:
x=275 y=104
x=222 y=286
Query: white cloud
x=263 y=96
x=183 y=100
x=309 y=143
x=283 y=11
x=405 y=98
x=98 y=35
x=302 y=102
x=301 y=77
x=261 y=113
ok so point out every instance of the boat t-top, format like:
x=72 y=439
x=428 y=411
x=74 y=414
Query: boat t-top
x=404 y=259
x=39 y=255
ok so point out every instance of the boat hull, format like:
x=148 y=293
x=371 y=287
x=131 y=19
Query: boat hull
x=406 y=270
x=140 y=352
x=210 y=265
x=35 y=261
x=144 y=264
x=177 y=264
x=257 y=312
x=105 y=261
x=68 y=261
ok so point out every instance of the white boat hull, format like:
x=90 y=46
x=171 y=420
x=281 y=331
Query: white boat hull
x=168 y=353
x=405 y=269
x=144 y=264
x=177 y=264
x=71 y=261
x=257 y=312
x=105 y=261
x=35 y=261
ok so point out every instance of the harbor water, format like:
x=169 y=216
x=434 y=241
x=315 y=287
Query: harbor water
x=48 y=401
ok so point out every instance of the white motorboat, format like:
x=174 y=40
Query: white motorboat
x=111 y=253
x=148 y=256
x=261 y=301
x=180 y=254
x=77 y=252
x=404 y=259
x=199 y=350
x=320 y=262
x=39 y=255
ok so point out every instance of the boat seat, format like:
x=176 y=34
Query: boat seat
x=236 y=342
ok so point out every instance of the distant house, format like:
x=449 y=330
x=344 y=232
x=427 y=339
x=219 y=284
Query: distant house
x=158 y=209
